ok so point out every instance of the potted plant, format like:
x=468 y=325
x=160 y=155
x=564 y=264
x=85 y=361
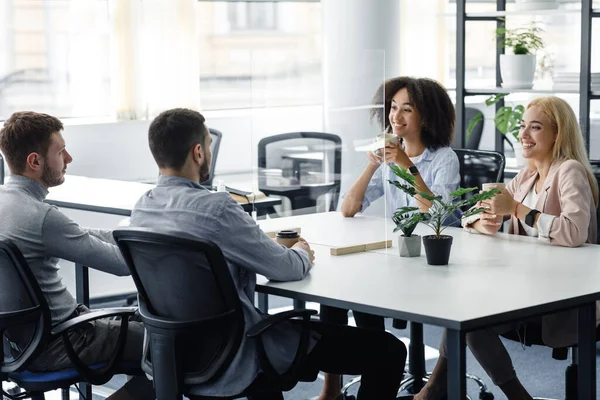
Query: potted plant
x=518 y=69
x=408 y=244
x=437 y=246
x=508 y=121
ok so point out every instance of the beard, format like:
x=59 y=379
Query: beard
x=204 y=171
x=51 y=178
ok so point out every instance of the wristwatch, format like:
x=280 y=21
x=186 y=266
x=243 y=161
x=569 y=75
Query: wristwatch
x=530 y=218
x=413 y=170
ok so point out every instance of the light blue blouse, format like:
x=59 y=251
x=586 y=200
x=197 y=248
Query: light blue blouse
x=439 y=170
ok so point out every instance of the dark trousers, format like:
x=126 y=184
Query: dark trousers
x=339 y=316
x=377 y=356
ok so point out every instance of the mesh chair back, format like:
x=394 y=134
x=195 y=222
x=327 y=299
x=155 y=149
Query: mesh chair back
x=479 y=166
x=214 y=149
x=301 y=166
x=24 y=312
x=473 y=140
x=186 y=293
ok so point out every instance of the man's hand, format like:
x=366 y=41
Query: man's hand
x=303 y=244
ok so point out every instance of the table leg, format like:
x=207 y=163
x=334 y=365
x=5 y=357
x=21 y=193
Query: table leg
x=299 y=304
x=263 y=302
x=457 y=385
x=586 y=349
x=416 y=356
x=82 y=290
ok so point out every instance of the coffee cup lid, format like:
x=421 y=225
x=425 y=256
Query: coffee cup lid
x=287 y=234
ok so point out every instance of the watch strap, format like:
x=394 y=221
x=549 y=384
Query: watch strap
x=530 y=217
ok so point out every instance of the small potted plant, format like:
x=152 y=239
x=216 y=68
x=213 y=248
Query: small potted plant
x=437 y=246
x=507 y=121
x=518 y=69
x=409 y=244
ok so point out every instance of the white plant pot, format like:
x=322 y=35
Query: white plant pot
x=517 y=70
x=521 y=162
x=409 y=246
x=536 y=4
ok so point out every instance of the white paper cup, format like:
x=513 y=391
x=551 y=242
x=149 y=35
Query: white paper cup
x=492 y=185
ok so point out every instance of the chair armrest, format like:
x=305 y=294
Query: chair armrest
x=267 y=323
x=91 y=316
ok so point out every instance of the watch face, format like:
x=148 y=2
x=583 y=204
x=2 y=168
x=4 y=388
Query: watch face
x=413 y=170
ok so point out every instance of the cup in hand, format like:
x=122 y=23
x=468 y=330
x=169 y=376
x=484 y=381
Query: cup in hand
x=497 y=185
x=383 y=140
x=287 y=238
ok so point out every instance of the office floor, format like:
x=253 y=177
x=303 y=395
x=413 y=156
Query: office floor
x=540 y=374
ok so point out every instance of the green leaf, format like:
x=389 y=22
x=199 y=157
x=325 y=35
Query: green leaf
x=462 y=191
x=478 y=117
x=495 y=98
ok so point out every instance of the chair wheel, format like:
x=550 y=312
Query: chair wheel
x=486 y=396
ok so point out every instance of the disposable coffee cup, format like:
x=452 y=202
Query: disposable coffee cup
x=498 y=185
x=287 y=238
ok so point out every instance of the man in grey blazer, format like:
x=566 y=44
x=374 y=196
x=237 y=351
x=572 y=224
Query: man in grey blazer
x=36 y=155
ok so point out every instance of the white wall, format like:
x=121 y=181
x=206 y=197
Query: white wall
x=119 y=150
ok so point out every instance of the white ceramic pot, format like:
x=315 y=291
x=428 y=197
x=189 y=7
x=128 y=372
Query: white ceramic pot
x=517 y=70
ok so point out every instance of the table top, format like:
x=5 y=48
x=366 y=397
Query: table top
x=112 y=196
x=489 y=280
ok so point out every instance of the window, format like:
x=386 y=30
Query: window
x=54 y=57
x=252 y=16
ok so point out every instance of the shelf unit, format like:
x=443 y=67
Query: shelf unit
x=584 y=90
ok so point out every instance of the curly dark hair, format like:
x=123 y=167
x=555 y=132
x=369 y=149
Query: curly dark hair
x=431 y=101
x=27 y=132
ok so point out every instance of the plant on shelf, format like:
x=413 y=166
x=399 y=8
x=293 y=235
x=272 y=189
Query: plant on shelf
x=437 y=246
x=524 y=40
x=518 y=69
x=507 y=120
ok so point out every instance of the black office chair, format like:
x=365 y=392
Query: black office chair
x=532 y=335
x=194 y=335
x=479 y=166
x=214 y=149
x=25 y=330
x=301 y=166
x=472 y=142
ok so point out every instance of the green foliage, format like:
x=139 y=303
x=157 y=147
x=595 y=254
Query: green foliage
x=524 y=40
x=507 y=118
x=406 y=218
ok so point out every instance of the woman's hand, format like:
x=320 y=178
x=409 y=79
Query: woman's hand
x=501 y=204
x=488 y=223
x=374 y=159
x=395 y=154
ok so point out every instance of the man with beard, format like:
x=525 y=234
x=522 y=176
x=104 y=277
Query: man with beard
x=180 y=143
x=35 y=152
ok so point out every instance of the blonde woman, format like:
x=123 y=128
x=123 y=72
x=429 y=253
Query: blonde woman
x=554 y=198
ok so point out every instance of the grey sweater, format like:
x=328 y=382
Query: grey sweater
x=44 y=235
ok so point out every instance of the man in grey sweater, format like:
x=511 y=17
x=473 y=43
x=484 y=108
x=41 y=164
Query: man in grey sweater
x=35 y=152
x=180 y=144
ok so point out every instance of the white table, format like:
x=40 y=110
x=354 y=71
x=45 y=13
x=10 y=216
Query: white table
x=489 y=281
x=114 y=197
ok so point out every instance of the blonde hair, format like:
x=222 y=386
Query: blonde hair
x=569 y=143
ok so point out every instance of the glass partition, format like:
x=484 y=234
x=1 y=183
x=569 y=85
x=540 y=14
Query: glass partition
x=310 y=157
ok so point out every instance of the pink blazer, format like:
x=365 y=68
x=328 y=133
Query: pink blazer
x=567 y=195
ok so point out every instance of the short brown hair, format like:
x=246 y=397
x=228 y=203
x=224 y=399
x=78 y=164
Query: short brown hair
x=173 y=133
x=431 y=101
x=26 y=132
